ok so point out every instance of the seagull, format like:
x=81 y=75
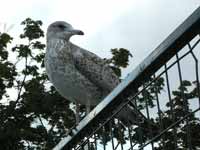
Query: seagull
x=77 y=74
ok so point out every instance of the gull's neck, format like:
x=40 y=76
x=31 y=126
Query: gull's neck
x=56 y=43
x=54 y=46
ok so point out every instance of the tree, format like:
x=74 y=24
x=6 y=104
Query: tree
x=38 y=117
x=29 y=121
x=181 y=109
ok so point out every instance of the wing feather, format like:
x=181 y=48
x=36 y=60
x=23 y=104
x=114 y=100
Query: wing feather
x=95 y=69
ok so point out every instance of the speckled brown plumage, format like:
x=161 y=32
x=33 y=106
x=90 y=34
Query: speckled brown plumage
x=79 y=75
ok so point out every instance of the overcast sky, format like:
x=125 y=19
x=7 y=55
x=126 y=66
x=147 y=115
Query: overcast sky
x=138 y=25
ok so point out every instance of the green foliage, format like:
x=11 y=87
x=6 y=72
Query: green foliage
x=32 y=29
x=38 y=117
x=148 y=95
x=180 y=108
x=7 y=69
x=4 y=40
x=120 y=59
x=24 y=118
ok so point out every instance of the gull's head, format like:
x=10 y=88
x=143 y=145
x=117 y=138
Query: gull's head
x=62 y=30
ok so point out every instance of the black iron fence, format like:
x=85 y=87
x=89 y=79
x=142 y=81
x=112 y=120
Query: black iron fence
x=164 y=88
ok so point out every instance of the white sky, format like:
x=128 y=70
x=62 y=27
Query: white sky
x=138 y=25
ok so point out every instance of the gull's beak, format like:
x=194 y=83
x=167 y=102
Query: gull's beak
x=77 y=32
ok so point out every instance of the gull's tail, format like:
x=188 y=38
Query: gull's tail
x=130 y=115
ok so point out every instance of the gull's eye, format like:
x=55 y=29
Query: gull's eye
x=61 y=26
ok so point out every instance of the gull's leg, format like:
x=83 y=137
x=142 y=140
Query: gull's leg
x=87 y=109
x=77 y=113
x=86 y=147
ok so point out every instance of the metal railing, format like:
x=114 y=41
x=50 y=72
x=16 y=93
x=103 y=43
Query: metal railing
x=164 y=88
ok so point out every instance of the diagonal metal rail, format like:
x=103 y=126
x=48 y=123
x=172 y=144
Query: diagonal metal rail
x=85 y=135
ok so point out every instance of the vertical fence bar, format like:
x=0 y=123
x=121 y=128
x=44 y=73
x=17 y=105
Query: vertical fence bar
x=185 y=103
x=120 y=135
x=104 y=138
x=130 y=137
x=95 y=141
x=112 y=122
x=196 y=67
x=171 y=105
x=88 y=144
x=159 y=112
x=148 y=117
x=139 y=130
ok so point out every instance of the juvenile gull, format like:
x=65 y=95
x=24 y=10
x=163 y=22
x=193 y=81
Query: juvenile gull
x=77 y=74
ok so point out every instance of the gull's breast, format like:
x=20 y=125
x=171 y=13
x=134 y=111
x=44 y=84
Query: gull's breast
x=70 y=83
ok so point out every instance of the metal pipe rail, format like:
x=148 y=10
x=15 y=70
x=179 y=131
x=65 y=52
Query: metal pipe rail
x=164 y=66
